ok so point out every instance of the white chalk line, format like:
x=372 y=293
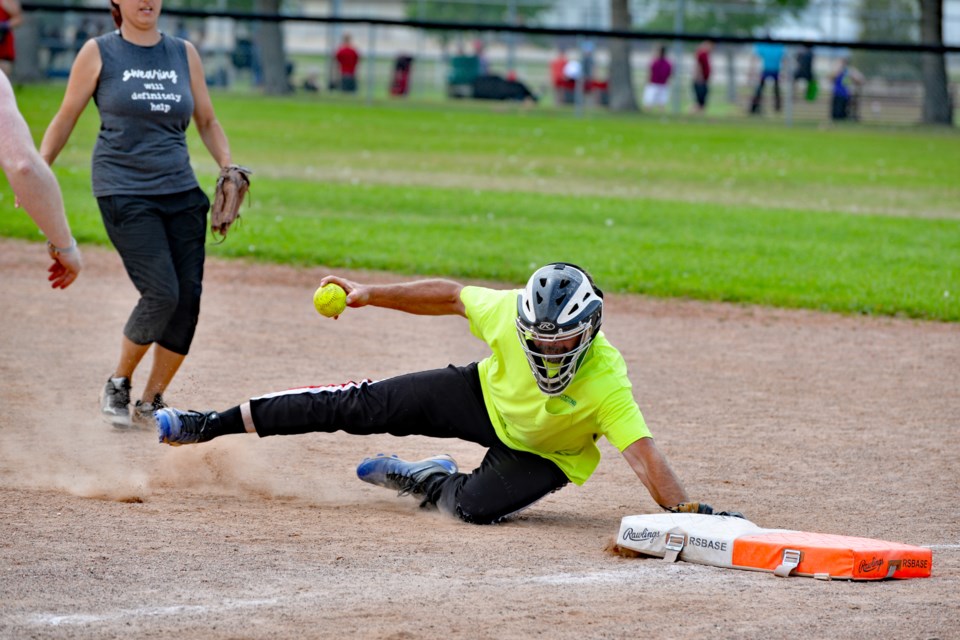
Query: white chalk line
x=54 y=620
x=565 y=578
x=579 y=578
x=47 y=619
x=615 y=576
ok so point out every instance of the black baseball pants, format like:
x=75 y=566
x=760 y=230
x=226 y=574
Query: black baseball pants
x=443 y=403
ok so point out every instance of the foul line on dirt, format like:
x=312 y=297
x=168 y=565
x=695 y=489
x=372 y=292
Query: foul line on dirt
x=53 y=620
x=579 y=578
x=617 y=575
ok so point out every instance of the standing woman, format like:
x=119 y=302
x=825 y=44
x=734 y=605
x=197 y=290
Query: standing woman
x=11 y=15
x=146 y=85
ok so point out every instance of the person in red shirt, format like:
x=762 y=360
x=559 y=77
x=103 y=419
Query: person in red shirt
x=347 y=59
x=11 y=15
x=701 y=75
x=657 y=91
x=562 y=85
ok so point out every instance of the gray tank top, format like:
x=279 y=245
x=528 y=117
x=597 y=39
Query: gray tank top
x=145 y=104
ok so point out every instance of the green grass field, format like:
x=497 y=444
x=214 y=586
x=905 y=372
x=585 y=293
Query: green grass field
x=849 y=219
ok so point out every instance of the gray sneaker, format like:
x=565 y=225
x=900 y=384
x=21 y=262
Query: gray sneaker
x=143 y=411
x=115 y=402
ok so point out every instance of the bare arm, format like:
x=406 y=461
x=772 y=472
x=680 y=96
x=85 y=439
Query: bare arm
x=80 y=87
x=655 y=473
x=204 y=117
x=13 y=8
x=856 y=76
x=422 y=297
x=36 y=188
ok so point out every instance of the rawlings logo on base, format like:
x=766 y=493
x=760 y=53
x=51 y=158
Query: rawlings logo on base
x=872 y=565
x=646 y=534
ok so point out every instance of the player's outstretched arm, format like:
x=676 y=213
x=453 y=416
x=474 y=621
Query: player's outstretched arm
x=15 y=11
x=36 y=189
x=654 y=471
x=422 y=297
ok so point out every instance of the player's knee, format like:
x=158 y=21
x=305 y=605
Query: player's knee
x=154 y=312
x=471 y=517
x=473 y=512
x=164 y=302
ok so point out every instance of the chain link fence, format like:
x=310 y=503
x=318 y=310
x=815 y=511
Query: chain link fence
x=546 y=68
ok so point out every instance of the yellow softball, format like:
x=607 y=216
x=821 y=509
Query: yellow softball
x=330 y=300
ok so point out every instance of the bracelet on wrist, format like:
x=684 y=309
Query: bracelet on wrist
x=55 y=249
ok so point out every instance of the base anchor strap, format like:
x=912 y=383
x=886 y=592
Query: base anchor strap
x=674 y=545
x=791 y=560
x=892 y=568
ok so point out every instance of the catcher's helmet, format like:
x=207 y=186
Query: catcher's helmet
x=559 y=314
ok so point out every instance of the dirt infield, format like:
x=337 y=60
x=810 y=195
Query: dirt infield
x=802 y=420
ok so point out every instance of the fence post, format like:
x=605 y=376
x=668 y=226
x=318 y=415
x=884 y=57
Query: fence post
x=578 y=84
x=333 y=33
x=678 y=28
x=371 y=61
x=788 y=86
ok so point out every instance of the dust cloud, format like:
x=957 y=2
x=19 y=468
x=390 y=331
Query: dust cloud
x=88 y=458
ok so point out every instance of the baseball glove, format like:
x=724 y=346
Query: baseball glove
x=232 y=186
x=703 y=508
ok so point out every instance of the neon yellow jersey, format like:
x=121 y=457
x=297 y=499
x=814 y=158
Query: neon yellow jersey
x=563 y=428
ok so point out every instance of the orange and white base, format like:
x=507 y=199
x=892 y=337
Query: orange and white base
x=735 y=543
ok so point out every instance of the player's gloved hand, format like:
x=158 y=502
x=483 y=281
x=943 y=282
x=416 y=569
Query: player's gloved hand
x=732 y=514
x=692 y=507
x=703 y=508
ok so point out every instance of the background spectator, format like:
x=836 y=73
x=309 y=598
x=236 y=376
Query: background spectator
x=11 y=16
x=846 y=88
x=701 y=75
x=804 y=72
x=483 y=67
x=656 y=93
x=347 y=60
x=771 y=57
x=562 y=85
x=586 y=56
x=311 y=82
x=402 y=69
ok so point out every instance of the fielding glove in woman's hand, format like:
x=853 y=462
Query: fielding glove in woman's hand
x=232 y=186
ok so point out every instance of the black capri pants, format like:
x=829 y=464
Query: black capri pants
x=443 y=403
x=160 y=240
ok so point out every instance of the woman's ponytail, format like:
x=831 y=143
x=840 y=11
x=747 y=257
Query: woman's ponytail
x=115 y=12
